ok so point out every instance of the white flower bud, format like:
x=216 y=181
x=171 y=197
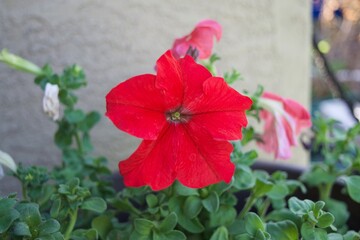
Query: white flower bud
x=51 y=104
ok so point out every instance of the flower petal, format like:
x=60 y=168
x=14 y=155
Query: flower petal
x=202 y=160
x=194 y=75
x=182 y=152
x=153 y=163
x=220 y=110
x=201 y=38
x=169 y=80
x=136 y=106
x=213 y=25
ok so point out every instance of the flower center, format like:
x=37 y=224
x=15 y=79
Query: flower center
x=175 y=116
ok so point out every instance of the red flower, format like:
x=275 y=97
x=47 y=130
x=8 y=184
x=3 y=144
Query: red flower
x=185 y=117
x=284 y=120
x=201 y=38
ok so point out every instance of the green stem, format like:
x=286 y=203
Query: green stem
x=24 y=192
x=248 y=205
x=70 y=227
x=265 y=207
x=78 y=142
x=325 y=191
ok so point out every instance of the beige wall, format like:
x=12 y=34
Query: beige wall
x=268 y=41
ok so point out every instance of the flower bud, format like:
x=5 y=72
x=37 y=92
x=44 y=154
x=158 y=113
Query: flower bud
x=51 y=104
x=19 y=63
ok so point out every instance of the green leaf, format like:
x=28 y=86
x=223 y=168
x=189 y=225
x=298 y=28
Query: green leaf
x=352 y=235
x=143 y=226
x=339 y=210
x=308 y=232
x=225 y=216
x=48 y=227
x=253 y=223
x=243 y=178
x=335 y=236
x=212 y=202
x=192 y=206
x=173 y=235
x=8 y=214
x=67 y=98
x=29 y=213
x=220 y=234
x=353 y=187
x=191 y=225
x=21 y=229
x=284 y=230
x=244 y=236
x=84 y=234
x=55 y=208
x=325 y=220
x=95 y=204
x=181 y=190
x=102 y=224
x=281 y=214
x=262 y=187
x=278 y=191
x=168 y=223
x=151 y=200
x=74 y=116
x=300 y=207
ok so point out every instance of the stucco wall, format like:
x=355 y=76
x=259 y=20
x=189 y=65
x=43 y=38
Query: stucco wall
x=267 y=41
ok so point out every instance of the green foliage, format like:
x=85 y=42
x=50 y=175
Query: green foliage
x=76 y=200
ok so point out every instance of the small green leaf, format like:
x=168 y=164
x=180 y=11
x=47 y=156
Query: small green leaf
x=181 y=190
x=253 y=223
x=168 y=223
x=173 y=235
x=21 y=229
x=102 y=224
x=74 y=116
x=262 y=187
x=48 y=227
x=284 y=230
x=243 y=178
x=221 y=233
x=335 y=236
x=318 y=206
x=300 y=207
x=278 y=191
x=352 y=235
x=143 y=226
x=325 y=220
x=7 y=217
x=151 y=200
x=211 y=203
x=353 y=187
x=55 y=208
x=192 y=206
x=95 y=204
x=29 y=213
x=88 y=234
x=225 y=216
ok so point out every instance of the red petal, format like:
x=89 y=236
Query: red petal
x=137 y=107
x=220 y=110
x=194 y=75
x=182 y=151
x=203 y=161
x=169 y=79
x=153 y=163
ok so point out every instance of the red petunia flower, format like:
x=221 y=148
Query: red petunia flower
x=201 y=38
x=284 y=120
x=185 y=117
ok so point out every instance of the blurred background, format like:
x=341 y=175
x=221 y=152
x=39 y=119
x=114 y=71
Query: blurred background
x=299 y=49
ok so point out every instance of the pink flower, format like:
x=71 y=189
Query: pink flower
x=201 y=38
x=284 y=120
